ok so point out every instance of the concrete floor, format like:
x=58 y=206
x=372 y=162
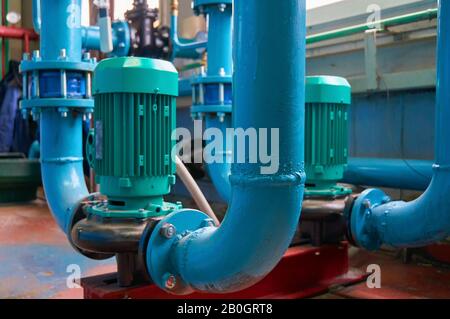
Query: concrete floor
x=34 y=256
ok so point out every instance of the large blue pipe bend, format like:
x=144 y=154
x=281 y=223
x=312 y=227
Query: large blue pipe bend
x=376 y=221
x=265 y=209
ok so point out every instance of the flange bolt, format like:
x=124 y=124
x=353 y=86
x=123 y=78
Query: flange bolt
x=168 y=231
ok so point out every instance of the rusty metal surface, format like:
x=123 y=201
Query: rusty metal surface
x=35 y=254
x=415 y=280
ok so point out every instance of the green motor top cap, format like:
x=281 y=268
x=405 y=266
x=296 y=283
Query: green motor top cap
x=328 y=89
x=135 y=75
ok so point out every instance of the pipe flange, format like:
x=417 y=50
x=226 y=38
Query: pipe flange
x=200 y=6
x=361 y=231
x=170 y=230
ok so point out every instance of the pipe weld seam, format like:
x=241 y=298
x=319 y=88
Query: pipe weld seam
x=287 y=179
x=62 y=160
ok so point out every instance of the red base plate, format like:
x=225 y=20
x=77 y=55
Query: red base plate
x=303 y=272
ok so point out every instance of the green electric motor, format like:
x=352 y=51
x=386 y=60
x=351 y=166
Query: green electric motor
x=130 y=146
x=326 y=154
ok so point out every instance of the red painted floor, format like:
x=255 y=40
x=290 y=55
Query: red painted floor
x=34 y=256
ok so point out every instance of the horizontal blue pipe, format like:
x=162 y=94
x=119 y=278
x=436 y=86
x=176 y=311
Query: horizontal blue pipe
x=377 y=221
x=264 y=210
x=391 y=173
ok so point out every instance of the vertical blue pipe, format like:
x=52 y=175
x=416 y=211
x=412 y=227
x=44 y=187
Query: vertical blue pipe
x=374 y=220
x=219 y=40
x=220 y=172
x=61 y=29
x=61 y=138
x=220 y=62
x=264 y=210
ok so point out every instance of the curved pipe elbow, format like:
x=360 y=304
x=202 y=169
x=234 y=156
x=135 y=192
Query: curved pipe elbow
x=64 y=188
x=62 y=165
x=376 y=221
x=261 y=227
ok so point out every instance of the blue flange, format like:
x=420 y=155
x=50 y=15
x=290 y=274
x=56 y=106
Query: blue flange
x=58 y=103
x=198 y=5
x=122 y=33
x=86 y=66
x=360 y=220
x=171 y=229
x=195 y=109
x=211 y=79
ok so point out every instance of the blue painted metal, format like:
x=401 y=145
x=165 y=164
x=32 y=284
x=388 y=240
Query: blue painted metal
x=392 y=173
x=264 y=210
x=374 y=220
x=212 y=91
x=37 y=16
x=90 y=36
x=189 y=49
x=220 y=172
x=61 y=143
x=121 y=36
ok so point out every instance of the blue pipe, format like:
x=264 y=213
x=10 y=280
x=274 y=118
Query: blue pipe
x=391 y=173
x=220 y=172
x=61 y=138
x=220 y=62
x=90 y=36
x=374 y=219
x=265 y=209
x=186 y=48
x=37 y=16
x=220 y=38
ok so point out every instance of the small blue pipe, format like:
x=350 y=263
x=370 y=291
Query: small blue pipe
x=184 y=49
x=265 y=209
x=374 y=219
x=37 y=16
x=391 y=173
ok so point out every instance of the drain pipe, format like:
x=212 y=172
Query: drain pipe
x=264 y=210
x=375 y=220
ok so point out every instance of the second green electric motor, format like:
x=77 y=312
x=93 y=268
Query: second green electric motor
x=130 y=147
x=326 y=134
